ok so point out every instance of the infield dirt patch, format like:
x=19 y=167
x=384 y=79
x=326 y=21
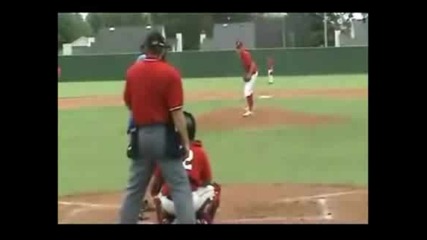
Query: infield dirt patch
x=230 y=118
x=93 y=101
x=243 y=203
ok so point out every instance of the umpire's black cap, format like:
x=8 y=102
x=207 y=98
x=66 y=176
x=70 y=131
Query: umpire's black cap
x=155 y=39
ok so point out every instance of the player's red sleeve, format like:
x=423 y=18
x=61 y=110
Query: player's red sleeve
x=252 y=67
x=157 y=172
x=175 y=93
x=247 y=61
x=245 y=58
x=248 y=58
x=126 y=94
x=206 y=170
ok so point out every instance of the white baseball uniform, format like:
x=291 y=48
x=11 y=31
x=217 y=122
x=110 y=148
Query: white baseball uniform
x=199 y=198
x=249 y=86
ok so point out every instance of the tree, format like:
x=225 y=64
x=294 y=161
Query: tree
x=335 y=21
x=189 y=24
x=340 y=20
x=233 y=17
x=95 y=21
x=192 y=24
x=71 y=26
x=102 y=20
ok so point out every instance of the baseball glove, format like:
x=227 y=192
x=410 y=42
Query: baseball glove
x=246 y=78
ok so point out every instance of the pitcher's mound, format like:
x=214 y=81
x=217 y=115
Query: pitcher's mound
x=231 y=118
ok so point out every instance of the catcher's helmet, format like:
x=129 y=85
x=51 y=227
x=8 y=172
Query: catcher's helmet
x=155 y=40
x=191 y=125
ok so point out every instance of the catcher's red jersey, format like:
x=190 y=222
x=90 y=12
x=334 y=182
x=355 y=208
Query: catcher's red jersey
x=270 y=63
x=197 y=166
x=246 y=59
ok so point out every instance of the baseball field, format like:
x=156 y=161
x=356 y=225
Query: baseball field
x=301 y=158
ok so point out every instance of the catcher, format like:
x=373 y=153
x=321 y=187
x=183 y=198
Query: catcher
x=206 y=194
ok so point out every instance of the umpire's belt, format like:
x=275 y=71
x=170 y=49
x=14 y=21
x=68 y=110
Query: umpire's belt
x=172 y=139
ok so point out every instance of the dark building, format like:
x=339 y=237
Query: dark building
x=262 y=33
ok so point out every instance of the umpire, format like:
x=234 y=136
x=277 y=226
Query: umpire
x=154 y=94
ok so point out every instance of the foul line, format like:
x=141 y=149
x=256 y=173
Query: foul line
x=324 y=208
x=85 y=204
x=305 y=198
x=272 y=219
x=292 y=199
x=72 y=214
x=267 y=220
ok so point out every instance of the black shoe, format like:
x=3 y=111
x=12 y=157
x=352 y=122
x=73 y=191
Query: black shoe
x=201 y=221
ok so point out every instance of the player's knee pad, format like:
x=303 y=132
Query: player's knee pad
x=211 y=205
x=217 y=189
x=207 y=213
x=214 y=205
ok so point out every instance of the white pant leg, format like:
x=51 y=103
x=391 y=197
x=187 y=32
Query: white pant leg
x=201 y=195
x=167 y=205
x=270 y=75
x=248 y=89
x=199 y=198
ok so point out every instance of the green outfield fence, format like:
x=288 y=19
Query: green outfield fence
x=296 y=61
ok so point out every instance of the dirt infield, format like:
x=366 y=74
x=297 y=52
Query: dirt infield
x=92 y=101
x=265 y=117
x=243 y=203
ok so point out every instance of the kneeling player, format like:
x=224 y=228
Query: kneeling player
x=206 y=194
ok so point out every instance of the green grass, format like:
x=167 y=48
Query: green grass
x=75 y=89
x=330 y=154
x=92 y=140
x=92 y=146
x=91 y=143
x=317 y=155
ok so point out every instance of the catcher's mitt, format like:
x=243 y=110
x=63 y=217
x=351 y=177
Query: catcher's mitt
x=246 y=78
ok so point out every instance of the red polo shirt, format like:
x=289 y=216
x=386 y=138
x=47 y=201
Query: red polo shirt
x=153 y=89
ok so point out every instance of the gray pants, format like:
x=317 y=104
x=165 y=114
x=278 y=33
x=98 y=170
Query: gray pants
x=151 y=144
